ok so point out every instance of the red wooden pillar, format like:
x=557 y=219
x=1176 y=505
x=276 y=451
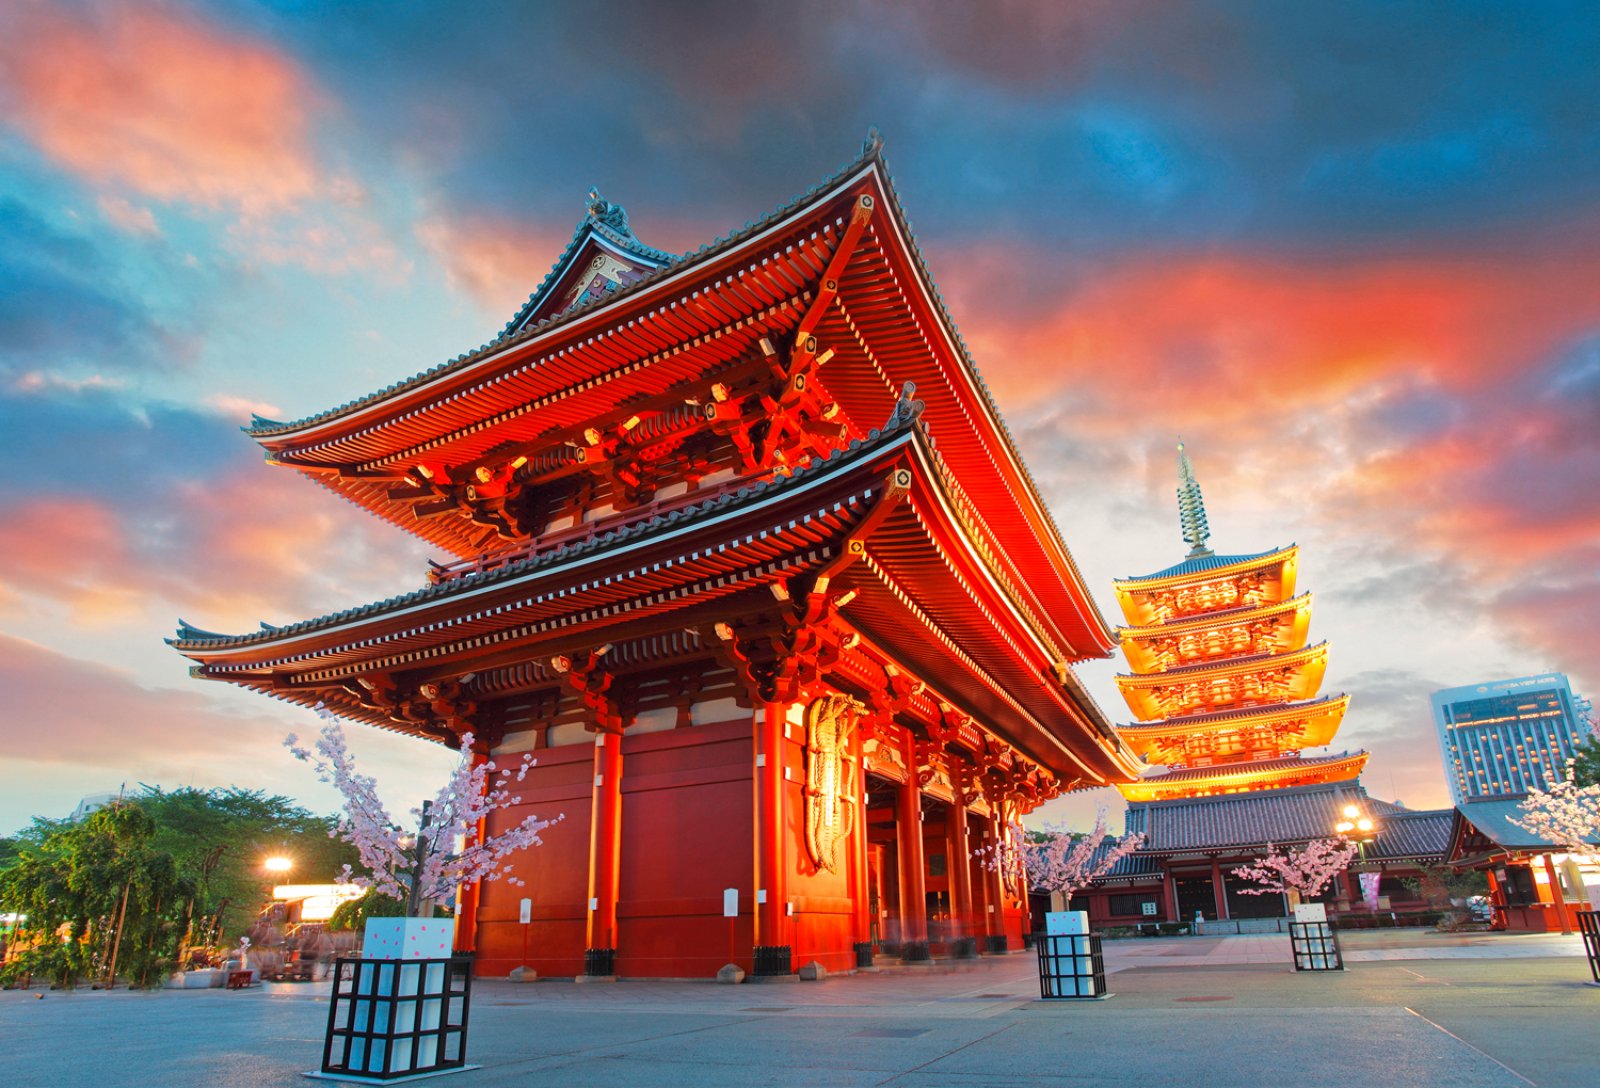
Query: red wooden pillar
x=1218 y=891
x=1497 y=902
x=1557 y=897
x=771 y=891
x=959 y=865
x=861 y=894
x=913 y=881
x=469 y=895
x=605 y=854
x=1169 y=895
x=994 y=874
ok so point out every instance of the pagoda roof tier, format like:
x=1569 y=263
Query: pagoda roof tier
x=834 y=277
x=1290 y=622
x=1147 y=600
x=1243 y=777
x=1308 y=724
x=869 y=533
x=1261 y=679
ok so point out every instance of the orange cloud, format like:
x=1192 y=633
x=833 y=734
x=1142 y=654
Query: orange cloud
x=1237 y=340
x=71 y=550
x=172 y=108
x=498 y=262
x=104 y=728
x=125 y=216
x=246 y=546
x=1476 y=494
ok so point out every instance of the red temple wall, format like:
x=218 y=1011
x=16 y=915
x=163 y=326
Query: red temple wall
x=687 y=833
x=556 y=874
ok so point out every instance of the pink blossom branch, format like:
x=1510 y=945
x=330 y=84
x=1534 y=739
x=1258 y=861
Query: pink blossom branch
x=448 y=850
x=1305 y=871
x=1566 y=815
x=1062 y=862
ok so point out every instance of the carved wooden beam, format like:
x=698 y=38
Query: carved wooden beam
x=585 y=675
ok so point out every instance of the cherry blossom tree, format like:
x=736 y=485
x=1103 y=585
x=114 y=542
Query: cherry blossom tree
x=1057 y=860
x=1566 y=815
x=445 y=851
x=1301 y=873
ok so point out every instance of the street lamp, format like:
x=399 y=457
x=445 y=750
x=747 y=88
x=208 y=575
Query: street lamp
x=278 y=864
x=1356 y=821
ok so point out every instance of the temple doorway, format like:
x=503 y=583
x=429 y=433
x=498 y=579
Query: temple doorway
x=1195 y=896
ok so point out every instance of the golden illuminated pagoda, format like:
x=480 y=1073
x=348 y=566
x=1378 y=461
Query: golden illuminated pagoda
x=1224 y=686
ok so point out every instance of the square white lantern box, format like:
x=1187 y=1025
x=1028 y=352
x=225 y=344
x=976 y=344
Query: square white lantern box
x=1310 y=959
x=1066 y=923
x=402 y=939
x=408 y=938
x=1069 y=970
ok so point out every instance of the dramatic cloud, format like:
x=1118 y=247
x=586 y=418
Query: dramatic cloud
x=106 y=729
x=1347 y=253
x=1240 y=340
x=173 y=109
x=187 y=520
x=65 y=302
x=497 y=262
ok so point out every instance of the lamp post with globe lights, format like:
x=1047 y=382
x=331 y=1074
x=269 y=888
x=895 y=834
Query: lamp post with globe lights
x=1359 y=828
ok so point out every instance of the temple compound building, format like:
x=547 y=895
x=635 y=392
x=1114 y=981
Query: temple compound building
x=737 y=545
x=1225 y=689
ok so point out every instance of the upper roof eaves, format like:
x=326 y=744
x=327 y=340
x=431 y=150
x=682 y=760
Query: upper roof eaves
x=1203 y=563
x=190 y=637
x=871 y=151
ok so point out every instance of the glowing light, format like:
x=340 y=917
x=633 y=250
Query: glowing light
x=277 y=864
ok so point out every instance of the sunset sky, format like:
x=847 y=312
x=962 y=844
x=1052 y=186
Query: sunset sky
x=1349 y=252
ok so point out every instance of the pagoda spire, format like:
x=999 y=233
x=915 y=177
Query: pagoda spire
x=1191 y=507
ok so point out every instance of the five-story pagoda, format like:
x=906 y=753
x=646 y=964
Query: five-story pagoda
x=776 y=652
x=1224 y=684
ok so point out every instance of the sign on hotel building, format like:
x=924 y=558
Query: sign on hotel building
x=738 y=546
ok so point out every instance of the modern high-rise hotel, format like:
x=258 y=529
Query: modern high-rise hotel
x=1505 y=738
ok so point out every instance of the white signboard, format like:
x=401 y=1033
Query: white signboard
x=525 y=913
x=730 y=902
x=1311 y=912
x=1147 y=908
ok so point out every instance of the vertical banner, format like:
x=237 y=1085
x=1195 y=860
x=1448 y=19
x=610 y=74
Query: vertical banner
x=1369 y=889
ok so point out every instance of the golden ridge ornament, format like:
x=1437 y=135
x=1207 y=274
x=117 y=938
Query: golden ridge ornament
x=830 y=777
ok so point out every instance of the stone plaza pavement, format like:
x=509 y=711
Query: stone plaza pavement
x=1414 y=1008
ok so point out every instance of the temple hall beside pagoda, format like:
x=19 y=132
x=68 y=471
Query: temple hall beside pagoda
x=1225 y=687
x=735 y=543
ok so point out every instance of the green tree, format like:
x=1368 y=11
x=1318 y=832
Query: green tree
x=221 y=837
x=97 y=897
x=1586 y=763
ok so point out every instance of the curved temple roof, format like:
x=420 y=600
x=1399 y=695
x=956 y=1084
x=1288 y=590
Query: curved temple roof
x=883 y=322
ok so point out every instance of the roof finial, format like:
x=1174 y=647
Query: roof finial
x=1191 y=507
x=604 y=211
